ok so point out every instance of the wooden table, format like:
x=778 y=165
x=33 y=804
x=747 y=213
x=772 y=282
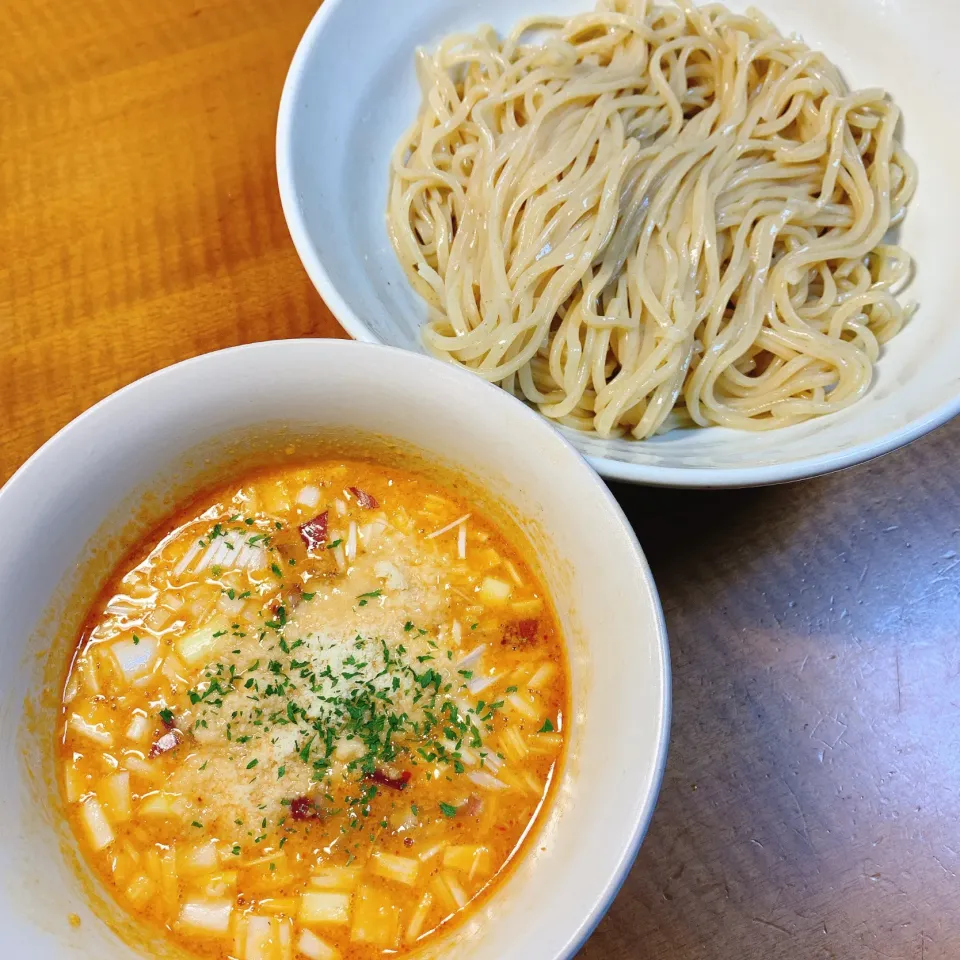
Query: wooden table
x=810 y=805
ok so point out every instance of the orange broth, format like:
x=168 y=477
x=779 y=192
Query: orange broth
x=316 y=715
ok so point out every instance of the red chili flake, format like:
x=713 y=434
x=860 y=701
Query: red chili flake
x=408 y=841
x=169 y=741
x=303 y=808
x=365 y=501
x=521 y=632
x=393 y=782
x=314 y=532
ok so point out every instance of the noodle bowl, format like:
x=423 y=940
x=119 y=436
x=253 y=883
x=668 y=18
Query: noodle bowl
x=649 y=216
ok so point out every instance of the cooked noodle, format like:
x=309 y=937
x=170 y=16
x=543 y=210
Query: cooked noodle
x=648 y=216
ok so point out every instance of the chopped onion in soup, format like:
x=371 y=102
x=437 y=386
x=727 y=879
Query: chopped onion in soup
x=315 y=715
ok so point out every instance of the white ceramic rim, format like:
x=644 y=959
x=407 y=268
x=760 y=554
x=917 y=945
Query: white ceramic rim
x=644 y=812
x=683 y=477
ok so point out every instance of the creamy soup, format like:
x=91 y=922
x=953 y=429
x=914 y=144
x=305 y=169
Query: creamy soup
x=316 y=715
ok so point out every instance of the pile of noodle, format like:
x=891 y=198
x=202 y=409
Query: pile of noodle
x=653 y=215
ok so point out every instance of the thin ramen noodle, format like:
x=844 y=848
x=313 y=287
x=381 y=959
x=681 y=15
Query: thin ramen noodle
x=653 y=215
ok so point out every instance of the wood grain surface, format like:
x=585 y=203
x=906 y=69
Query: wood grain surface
x=811 y=802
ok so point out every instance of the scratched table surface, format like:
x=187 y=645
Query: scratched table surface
x=810 y=803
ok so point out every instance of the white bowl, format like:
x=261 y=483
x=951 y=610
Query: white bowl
x=351 y=92
x=71 y=510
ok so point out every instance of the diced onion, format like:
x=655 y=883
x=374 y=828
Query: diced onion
x=89 y=674
x=209 y=917
x=98 y=826
x=158 y=618
x=527 y=609
x=472 y=658
x=198 y=858
x=352 y=541
x=187 y=558
x=219 y=885
x=135 y=658
x=285 y=905
x=467 y=858
x=376 y=919
x=140 y=889
x=169 y=668
x=512 y=744
x=419 y=918
x=478 y=684
x=523 y=705
x=493 y=591
x=72 y=689
x=512 y=570
x=262 y=937
x=309 y=496
x=513 y=781
x=135 y=763
x=90 y=731
x=124 y=863
x=402 y=820
x=285 y=937
x=121 y=605
x=214 y=556
x=199 y=646
x=450 y=893
x=115 y=793
x=312 y=947
x=335 y=878
x=73 y=782
x=172 y=601
x=541 y=676
x=400 y=869
x=324 y=908
x=481 y=864
x=455 y=889
x=169 y=879
x=490 y=761
x=232 y=552
x=545 y=742
x=533 y=784
x=251 y=558
x=230 y=607
x=485 y=780
x=161 y=805
x=279 y=857
x=429 y=854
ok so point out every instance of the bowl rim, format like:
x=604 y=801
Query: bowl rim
x=645 y=805
x=292 y=212
x=783 y=471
